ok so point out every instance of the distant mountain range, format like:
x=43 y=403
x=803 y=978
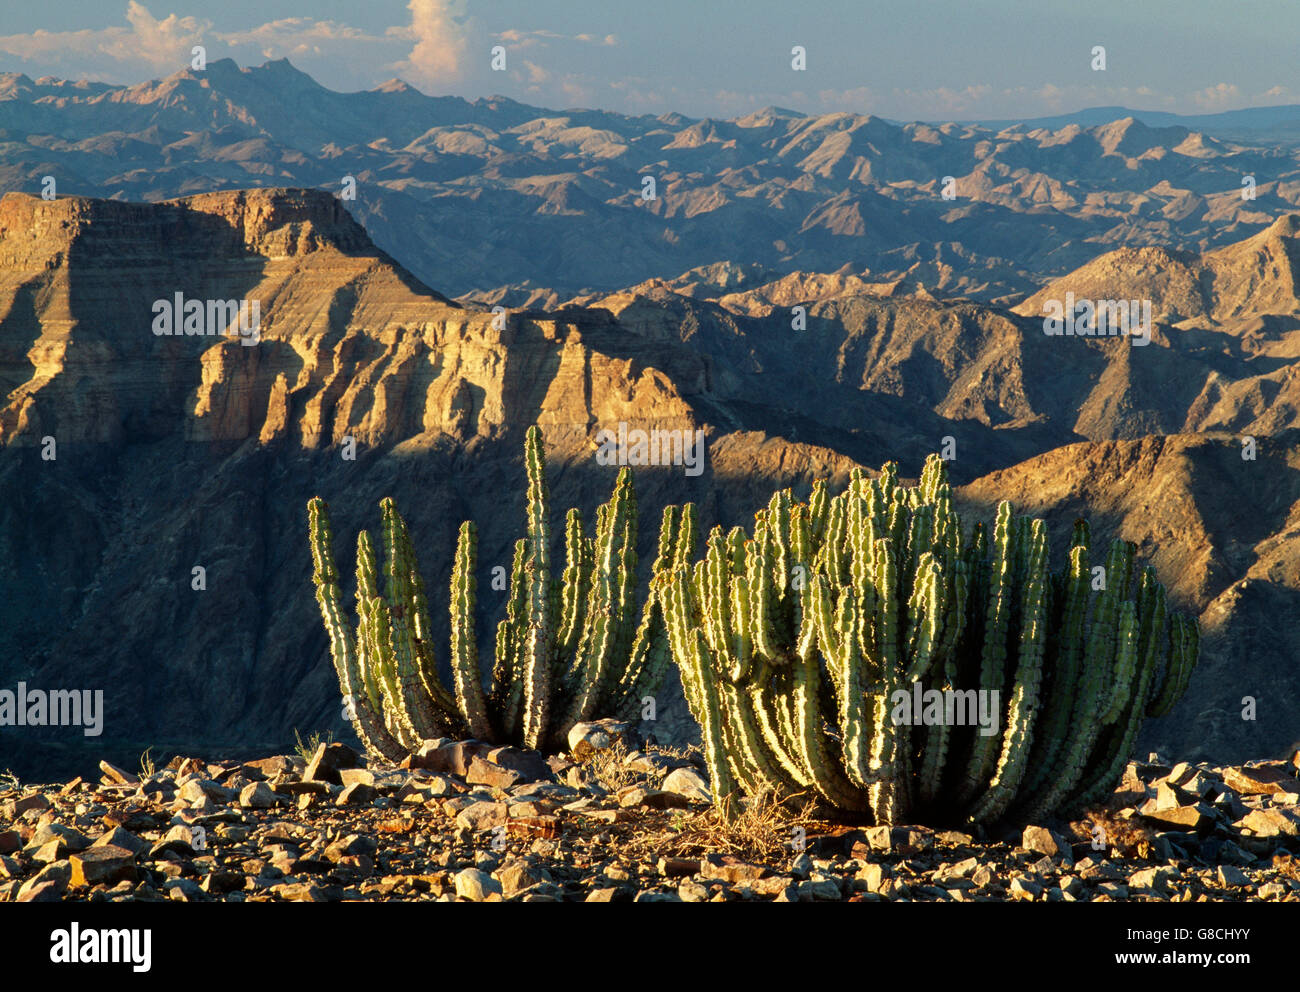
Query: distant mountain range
x=1262 y=125
x=494 y=198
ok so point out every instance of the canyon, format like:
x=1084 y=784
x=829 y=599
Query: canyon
x=171 y=452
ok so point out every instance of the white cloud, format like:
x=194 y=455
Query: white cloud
x=950 y=102
x=858 y=100
x=160 y=42
x=293 y=32
x=1220 y=97
x=519 y=40
x=440 y=42
x=1277 y=94
x=305 y=40
x=148 y=44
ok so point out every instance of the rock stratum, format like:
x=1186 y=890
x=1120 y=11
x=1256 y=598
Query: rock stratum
x=184 y=451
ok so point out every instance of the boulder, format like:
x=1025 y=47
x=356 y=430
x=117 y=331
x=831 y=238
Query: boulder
x=328 y=760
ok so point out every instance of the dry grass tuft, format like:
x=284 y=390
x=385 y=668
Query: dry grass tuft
x=608 y=769
x=1131 y=839
x=761 y=829
x=307 y=748
x=1287 y=864
x=683 y=752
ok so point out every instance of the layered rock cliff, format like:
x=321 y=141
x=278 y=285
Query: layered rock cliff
x=172 y=452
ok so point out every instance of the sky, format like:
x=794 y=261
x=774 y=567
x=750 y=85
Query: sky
x=903 y=59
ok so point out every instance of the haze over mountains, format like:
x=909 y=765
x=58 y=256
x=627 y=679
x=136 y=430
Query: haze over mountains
x=494 y=195
x=183 y=451
x=1276 y=125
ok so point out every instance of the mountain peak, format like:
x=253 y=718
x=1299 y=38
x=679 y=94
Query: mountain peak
x=1233 y=287
x=767 y=115
x=221 y=67
x=395 y=85
x=1129 y=137
x=281 y=64
x=14 y=84
x=1286 y=226
x=282 y=71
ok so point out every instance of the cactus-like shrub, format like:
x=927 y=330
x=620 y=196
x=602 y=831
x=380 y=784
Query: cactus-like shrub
x=566 y=651
x=866 y=650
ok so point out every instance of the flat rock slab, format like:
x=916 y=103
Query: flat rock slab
x=105 y=865
x=1262 y=780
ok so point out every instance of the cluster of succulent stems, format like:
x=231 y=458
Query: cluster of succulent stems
x=800 y=647
x=570 y=647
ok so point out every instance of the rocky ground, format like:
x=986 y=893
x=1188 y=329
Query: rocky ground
x=466 y=821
